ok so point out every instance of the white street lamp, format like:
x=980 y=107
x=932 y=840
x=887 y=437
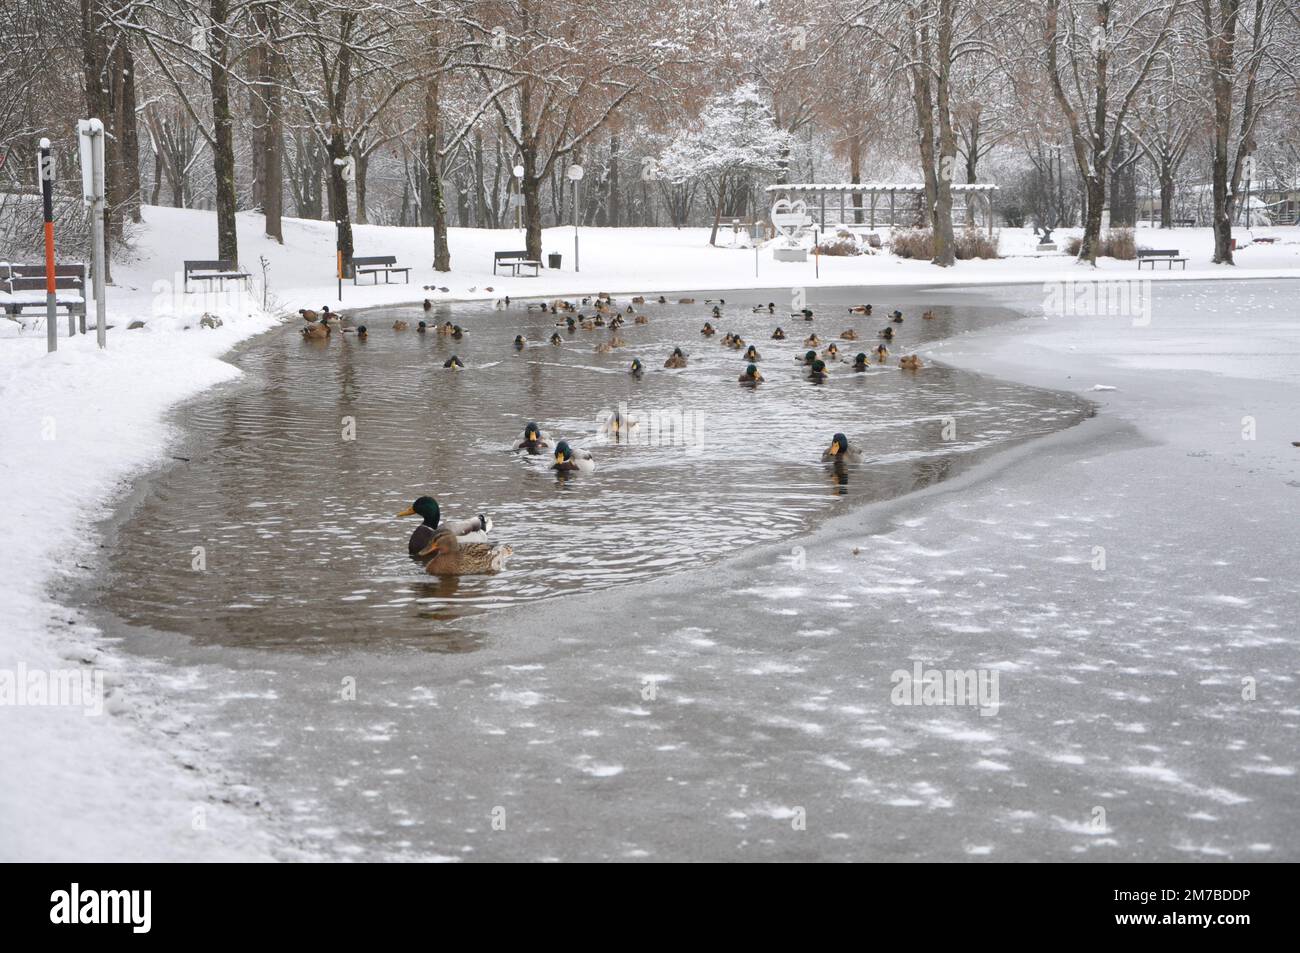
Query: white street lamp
x=575 y=176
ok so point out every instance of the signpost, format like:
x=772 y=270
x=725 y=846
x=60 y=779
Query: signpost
x=45 y=174
x=90 y=137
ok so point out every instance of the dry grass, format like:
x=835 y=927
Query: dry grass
x=1117 y=243
x=840 y=248
x=919 y=243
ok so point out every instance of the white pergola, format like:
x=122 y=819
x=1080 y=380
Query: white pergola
x=966 y=199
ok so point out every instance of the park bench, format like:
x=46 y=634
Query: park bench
x=1184 y=222
x=23 y=286
x=376 y=264
x=219 y=270
x=1154 y=255
x=515 y=260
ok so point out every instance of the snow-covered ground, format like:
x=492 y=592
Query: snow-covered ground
x=1121 y=688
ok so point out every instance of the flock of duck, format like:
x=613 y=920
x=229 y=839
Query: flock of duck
x=461 y=547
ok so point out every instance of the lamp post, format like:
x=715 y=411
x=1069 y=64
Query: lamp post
x=575 y=176
x=519 y=196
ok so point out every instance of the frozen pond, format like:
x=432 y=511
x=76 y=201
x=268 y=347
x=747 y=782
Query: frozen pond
x=296 y=521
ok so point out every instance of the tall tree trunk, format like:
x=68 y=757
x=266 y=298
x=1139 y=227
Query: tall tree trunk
x=531 y=187
x=338 y=154
x=613 y=202
x=362 y=159
x=129 y=134
x=268 y=125
x=717 y=212
x=433 y=144
x=223 y=150
x=855 y=174
x=1166 y=198
x=156 y=195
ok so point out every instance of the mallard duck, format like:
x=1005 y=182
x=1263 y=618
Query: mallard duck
x=603 y=347
x=812 y=340
x=881 y=353
x=421 y=327
x=910 y=362
x=638 y=299
x=454 y=362
x=457 y=332
x=556 y=339
x=860 y=362
x=636 y=370
x=806 y=314
x=316 y=332
x=676 y=359
x=308 y=315
x=569 y=460
x=428 y=305
x=519 y=342
x=817 y=372
x=736 y=342
x=751 y=354
x=840 y=452
x=751 y=377
x=807 y=359
x=896 y=317
x=860 y=309
x=535 y=440
x=849 y=335
x=662 y=300
x=361 y=332
x=708 y=330
x=444 y=329
x=832 y=353
x=586 y=325
x=887 y=334
x=640 y=319
x=928 y=315
x=400 y=326
x=616 y=425
x=759 y=309
x=447 y=555
x=475 y=529
x=717 y=312
x=778 y=335
x=686 y=301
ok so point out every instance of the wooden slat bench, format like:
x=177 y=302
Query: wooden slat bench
x=23 y=286
x=1154 y=255
x=515 y=260
x=376 y=265
x=219 y=270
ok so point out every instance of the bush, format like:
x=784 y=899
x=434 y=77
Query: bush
x=1117 y=243
x=919 y=243
x=839 y=248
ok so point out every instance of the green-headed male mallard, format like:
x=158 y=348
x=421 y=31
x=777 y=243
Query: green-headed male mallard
x=474 y=529
x=751 y=377
x=570 y=460
x=840 y=452
x=535 y=440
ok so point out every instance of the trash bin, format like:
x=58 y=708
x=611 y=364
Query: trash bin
x=553 y=260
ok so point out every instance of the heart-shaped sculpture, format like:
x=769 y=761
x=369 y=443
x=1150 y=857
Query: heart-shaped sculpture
x=788 y=217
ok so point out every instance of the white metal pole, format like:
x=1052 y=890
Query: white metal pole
x=97 y=210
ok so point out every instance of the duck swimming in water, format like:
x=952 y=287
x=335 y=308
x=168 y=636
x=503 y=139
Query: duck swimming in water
x=535 y=440
x=849 y=335
x=449 y=555
x=910 y=362
x=421 y=328
x=752 y=354
x=400 y=325
x=881 y=353
x=569 y=460
x=556 y=339
x=928 y=315
x=887 y=334
x=896 y=317
x=316 y=332
x=817 y=372
x=860 y=309
x=676 y=359
x=751 y=377
x=808 y=358
x=519 y=342
x=832 y=353
x=636 y=370
x=708 y=330
x=840 y=452
x=778 y=335
x=860 y=362
x=475 y=529
x=812 y=340
x=362 y=333
x=454 y=362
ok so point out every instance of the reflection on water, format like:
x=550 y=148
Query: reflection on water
x=295 y=519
